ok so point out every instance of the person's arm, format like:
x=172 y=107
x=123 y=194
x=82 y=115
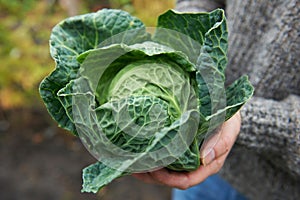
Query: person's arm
x=272 y=128
x=264 y=43
x=212 y=157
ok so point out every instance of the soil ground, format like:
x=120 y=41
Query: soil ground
x=39 y=161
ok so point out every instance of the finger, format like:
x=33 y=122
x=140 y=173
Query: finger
x=171 y=178
x=145 y=177
x=184 y=180
x=222 y=142
x=162 y=177
x=166 y=177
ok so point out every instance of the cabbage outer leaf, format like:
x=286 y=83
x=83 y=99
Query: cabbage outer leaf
x=74 y=36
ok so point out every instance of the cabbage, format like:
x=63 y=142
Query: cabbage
x=138 y=101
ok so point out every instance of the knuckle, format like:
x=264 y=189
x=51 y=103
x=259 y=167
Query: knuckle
x=222 y=146
x=226 y=143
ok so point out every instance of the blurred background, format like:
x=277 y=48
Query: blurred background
x=38 y=160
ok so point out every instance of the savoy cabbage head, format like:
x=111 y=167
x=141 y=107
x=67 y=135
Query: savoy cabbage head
x=140 y=101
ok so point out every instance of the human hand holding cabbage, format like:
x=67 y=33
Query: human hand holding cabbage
x=140 y=102
x=213 y=156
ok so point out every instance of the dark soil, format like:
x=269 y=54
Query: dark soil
x=39 y=161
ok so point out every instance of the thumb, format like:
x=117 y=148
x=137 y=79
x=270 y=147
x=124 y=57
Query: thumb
x=221 y=142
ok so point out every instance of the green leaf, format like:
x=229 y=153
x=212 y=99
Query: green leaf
x=97 y=176
x=186 y=31
x=101 y=65
x=238 y=93
x=76 y=35
x=211 y=65
x=203 y=37
x=189 y=160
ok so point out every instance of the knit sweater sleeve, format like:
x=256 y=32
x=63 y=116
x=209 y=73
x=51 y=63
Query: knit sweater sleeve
x=264 y=43
x=272 y=128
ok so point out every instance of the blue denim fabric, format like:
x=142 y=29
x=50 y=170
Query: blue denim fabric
x=213 y=188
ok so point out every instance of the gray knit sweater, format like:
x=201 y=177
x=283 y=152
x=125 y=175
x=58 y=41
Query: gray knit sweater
x=264 y=42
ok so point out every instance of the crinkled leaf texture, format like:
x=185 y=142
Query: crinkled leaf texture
x=157 y=89
x=151 y=84
x=74 y=36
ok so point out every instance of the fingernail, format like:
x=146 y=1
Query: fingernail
x=208 y=156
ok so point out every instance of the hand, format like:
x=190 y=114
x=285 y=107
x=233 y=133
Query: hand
x=212 y=156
